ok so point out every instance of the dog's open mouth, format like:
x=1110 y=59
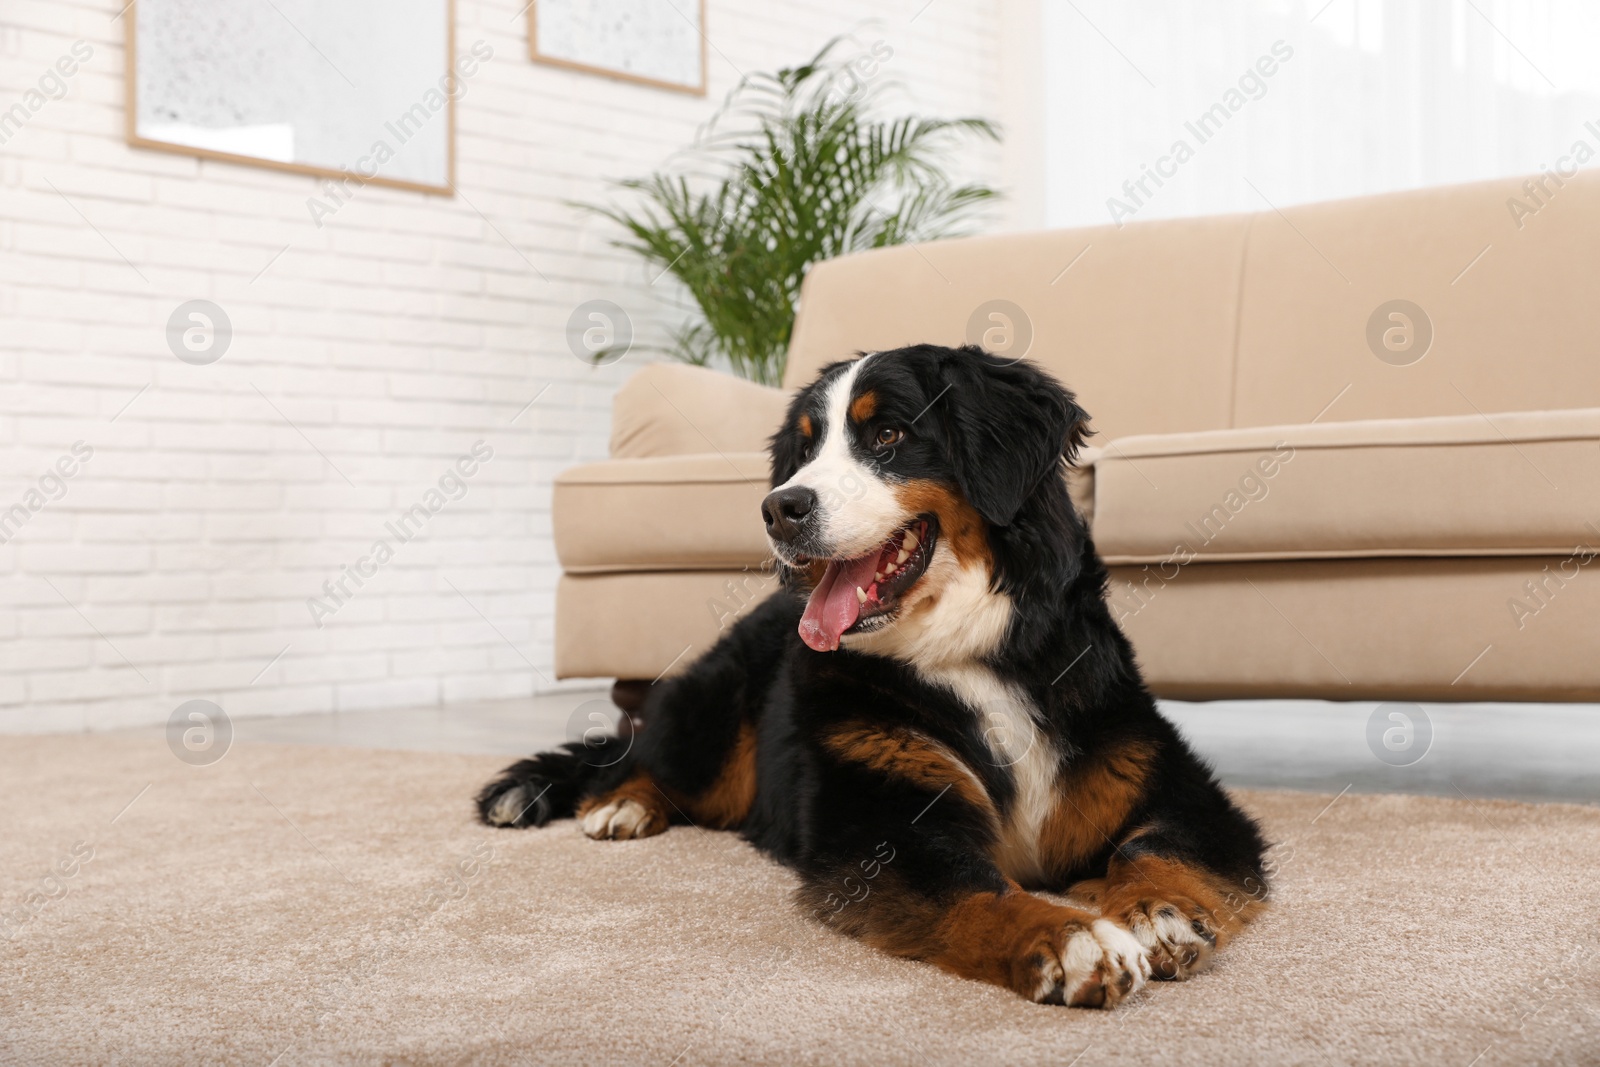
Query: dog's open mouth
x=861 y=594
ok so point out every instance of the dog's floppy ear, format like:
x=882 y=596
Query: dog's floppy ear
x=1008 y=425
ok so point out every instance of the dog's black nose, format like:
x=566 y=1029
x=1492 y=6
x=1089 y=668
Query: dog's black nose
x=786 y=510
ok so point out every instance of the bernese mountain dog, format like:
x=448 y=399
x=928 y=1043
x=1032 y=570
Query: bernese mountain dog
x=938 y=717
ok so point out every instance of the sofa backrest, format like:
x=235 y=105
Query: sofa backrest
x=1140 y=321
x=1515 y=312
x=1264 y=319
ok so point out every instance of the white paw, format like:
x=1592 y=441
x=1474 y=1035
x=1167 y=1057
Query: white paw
x=508 y=807
x=619 y=820
x=1175 y=944
x=1102 y=965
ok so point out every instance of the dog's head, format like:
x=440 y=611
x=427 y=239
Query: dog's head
x=896 y=475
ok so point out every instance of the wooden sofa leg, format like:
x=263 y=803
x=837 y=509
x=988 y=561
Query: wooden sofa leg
x=628 y=694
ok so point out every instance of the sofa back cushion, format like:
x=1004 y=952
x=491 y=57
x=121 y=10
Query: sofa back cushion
x=1140 y=321
x=1258 y=320
x=1513 y=309
x=673 y=409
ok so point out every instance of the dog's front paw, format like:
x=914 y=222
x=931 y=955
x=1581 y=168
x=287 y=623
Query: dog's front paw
x=1096 y=966
x=1178 y=934
x=622 y=818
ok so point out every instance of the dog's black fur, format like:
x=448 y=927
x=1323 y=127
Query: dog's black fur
x=879 y=784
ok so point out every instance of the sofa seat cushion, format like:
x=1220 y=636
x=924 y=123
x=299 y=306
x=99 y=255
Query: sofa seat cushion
x=1523 y=484
x=688 y=512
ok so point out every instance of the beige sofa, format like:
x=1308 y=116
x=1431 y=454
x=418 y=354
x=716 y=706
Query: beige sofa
x=1293 y=503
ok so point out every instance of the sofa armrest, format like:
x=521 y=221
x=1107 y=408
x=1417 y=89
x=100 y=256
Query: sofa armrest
x=1080 y=482
x=677 y=409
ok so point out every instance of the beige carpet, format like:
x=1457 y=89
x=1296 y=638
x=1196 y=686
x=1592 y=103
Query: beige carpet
x=296 y=905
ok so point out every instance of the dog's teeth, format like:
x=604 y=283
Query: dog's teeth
x=910 y=543
x=902 y=557
x=878 y=575
x=861 y=594
x=890 y=569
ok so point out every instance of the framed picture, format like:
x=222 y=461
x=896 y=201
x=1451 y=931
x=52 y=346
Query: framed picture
x=661 y=43
x=361 y=90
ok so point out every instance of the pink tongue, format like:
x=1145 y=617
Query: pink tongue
x=833 y=607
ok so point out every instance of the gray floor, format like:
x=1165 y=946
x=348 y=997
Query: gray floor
x=1527 y=751
x=503 y=727
x=1522 y=751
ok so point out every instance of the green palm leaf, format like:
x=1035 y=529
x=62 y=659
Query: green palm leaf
x=793 y=169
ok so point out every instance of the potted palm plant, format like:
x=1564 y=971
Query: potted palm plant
x=796 y=167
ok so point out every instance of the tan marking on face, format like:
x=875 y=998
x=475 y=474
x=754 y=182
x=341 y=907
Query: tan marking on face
x=807 y=430
x=961 y=528
x=856 y=510
x=862 y=407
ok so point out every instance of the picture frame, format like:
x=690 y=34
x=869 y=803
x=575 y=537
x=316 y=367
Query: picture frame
x=570 y=44
x=444 y=186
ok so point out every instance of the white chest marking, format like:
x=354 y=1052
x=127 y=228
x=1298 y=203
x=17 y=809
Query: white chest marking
x=1007 y=719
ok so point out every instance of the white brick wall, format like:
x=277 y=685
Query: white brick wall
x=180 y=559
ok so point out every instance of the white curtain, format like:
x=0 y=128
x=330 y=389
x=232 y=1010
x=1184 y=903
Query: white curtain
x=1161 y=108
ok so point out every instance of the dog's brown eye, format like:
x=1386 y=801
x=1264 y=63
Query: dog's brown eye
x=889 y=436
